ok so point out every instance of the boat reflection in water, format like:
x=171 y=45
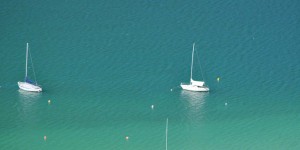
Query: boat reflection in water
x=28 y=96
x=27 y=106
x=193 y=102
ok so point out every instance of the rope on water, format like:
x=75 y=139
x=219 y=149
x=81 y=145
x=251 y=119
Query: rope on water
x=175 y=87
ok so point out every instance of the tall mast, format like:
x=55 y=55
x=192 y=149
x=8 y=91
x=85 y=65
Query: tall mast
x=192 y=61
x=167 y=135
x=26 y=60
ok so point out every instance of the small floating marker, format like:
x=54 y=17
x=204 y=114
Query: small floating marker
x=126 y=138
x=152 y=106
x=225 y=104
x=218 y=79
x=171 y=89
x=49 y=101
x=45 y=138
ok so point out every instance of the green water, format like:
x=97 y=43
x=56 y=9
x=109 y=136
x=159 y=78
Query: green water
x=104 y=63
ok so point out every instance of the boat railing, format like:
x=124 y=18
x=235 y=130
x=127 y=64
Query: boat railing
x=184 y=83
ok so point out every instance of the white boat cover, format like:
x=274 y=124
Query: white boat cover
x=29 y=87
x=197 y=83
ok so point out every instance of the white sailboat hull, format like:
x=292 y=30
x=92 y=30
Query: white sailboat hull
x=29 y=87
x=195 y=88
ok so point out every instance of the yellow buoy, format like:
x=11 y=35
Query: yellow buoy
x=218 y=79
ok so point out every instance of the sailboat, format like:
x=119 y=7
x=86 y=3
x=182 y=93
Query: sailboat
x=198 y=86
x=29 y=85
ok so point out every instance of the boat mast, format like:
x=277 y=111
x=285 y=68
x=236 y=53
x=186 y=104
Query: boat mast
x=167 y=135
x=26 y=61
x=192 y=61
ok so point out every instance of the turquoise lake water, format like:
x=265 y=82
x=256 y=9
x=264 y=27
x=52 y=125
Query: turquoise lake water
x=104 y=63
